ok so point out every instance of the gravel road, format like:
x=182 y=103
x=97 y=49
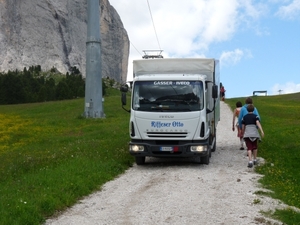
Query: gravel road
x=180 y=191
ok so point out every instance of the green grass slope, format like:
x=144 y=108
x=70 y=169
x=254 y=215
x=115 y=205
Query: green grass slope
x=280 y=148
x=50 y=156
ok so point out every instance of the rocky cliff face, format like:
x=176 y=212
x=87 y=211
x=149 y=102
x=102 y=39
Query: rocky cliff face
x=53 y=33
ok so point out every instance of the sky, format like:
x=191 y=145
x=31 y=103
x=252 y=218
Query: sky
x=257 y=42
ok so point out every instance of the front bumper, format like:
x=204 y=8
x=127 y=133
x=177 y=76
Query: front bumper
x=152 y=149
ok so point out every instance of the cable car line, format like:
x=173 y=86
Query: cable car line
x=153 y=24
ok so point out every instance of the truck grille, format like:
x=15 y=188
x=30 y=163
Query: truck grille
x=167 y=134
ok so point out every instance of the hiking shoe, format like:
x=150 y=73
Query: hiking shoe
x=250 y=164
x=255 y=162
x=241 y=148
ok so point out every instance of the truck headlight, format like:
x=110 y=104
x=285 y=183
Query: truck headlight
x=136 y=148
x=199 y=148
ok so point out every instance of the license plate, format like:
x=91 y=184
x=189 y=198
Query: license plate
x=166 y=149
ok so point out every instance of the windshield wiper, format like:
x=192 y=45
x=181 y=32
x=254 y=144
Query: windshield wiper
x=183 y=110
x=160 y=107
x=182 y=101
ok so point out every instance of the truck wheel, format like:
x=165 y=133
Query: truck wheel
x=204 y=159
x=140 y=160
x=214 y=147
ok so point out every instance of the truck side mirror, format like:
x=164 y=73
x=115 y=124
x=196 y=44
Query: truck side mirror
x=124 y=88
x=123 y=98
x=215 y=92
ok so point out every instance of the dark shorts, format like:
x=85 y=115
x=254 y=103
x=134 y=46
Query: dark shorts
x=251 y=145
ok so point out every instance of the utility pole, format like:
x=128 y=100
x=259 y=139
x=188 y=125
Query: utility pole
x=93 y=81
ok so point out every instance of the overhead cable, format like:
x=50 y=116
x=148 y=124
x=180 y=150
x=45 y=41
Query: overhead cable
x=153 y=24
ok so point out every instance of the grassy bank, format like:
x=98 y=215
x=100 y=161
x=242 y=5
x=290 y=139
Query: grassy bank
x=50 y=156
x=281 y=149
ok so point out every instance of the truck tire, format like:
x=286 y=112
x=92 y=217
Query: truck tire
x=214 y=146
x=205 y=159
x=140 y=160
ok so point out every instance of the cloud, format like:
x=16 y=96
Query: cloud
x=189 y=27
x=186 y=28
x=183 y=28
x=290 y=11
x=286 y=88
x=252 y=11
x=233 y=57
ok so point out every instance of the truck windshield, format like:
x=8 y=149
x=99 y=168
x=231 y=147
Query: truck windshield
x=168 y=96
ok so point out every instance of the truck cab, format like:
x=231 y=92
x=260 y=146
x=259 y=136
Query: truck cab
x=174 y=110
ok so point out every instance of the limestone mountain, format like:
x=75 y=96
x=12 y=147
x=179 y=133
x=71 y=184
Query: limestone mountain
x=53 y=33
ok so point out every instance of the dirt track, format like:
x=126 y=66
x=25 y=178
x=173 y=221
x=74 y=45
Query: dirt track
x=180 y=191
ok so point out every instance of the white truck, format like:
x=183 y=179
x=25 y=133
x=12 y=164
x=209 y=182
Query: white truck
x=175 y=108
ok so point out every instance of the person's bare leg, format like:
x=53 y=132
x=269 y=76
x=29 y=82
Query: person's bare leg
x=250 y=155
x=254 y=156
x=242 y=143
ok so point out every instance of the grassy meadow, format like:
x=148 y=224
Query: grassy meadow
x=50 y=156
x=280 y=119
